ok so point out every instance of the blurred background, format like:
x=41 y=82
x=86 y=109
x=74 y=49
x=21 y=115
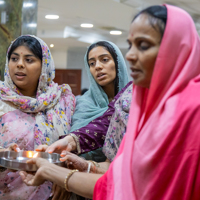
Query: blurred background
x=70 y=26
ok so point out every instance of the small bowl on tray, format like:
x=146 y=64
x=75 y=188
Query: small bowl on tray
x=17 y=160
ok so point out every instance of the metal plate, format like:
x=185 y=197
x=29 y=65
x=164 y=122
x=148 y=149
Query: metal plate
x=17 y=160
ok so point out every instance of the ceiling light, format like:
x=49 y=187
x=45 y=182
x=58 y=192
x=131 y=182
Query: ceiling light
x=115 y=32
x=51 y=16
x=86 y=25
x=25 y=5
x=2 y=2
x=51 y=45
x=33 y=25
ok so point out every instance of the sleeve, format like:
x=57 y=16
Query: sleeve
x=92 y=136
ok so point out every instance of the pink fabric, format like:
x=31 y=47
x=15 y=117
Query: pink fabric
x=19 y=127
x=159 y=158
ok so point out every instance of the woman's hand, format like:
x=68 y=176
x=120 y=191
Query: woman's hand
x=13 y=147
x=62 y=146
x=42 y=148
x=73 y=161
x=60 y=193
x=38 y=178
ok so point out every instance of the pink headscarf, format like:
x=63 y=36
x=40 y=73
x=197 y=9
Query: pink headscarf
x=159 y=157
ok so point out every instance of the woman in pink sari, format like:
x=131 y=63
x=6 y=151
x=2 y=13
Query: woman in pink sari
x=160 y=152
x=160 y=155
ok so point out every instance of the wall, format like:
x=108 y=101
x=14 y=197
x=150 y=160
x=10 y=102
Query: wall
x=75 y=60
x=60 y=58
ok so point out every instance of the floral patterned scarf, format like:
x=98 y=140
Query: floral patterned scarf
x=118 y=124
x=50 y=116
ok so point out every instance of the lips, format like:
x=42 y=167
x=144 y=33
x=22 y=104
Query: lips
x=20 y=74
x=135 y=69
x=100 y=75
x=135 y=73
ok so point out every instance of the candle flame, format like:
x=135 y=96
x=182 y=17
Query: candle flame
x=35 y=155
x=30 y=154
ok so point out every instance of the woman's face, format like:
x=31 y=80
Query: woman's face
x=102 y=66
x=25 y=69
x=144 y=41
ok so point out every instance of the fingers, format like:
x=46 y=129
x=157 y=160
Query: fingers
x=64 y=153
x=53 y=189
x=59 y=146
x=23 y=175
x=38 y=161
x=69 y=157
x=31 y=179
x=57 y=193
x=52 y=148
x=60 y=193
x=32 y=161
x=14 y=147
x=42 y=148
x=28 y=179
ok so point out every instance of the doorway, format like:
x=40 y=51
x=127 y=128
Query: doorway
x=72 y=77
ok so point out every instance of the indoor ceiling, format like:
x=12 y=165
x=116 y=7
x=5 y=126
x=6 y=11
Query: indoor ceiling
x=105 y=15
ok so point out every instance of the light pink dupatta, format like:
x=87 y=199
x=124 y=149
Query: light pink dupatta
x=159 y=157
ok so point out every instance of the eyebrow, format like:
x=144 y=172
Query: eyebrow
x=99 y=56
x=27 y=55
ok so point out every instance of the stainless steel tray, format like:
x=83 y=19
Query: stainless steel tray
x=17 y=160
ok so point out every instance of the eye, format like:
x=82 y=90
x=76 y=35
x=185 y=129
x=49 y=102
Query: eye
x=91 y=64
x=143 y=45
x=14 y=59
x=29 y=60
x=105 y=59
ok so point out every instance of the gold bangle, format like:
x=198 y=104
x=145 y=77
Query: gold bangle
x=67 y=178
x=95 y=163
x=76 y=139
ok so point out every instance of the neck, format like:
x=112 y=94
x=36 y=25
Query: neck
x=28 y=93
x=110 y=91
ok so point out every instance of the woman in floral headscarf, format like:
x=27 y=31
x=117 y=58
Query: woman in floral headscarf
x=33 y=109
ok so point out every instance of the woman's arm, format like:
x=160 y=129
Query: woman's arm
x=73 y=161
x=80 y=183
x=103 y=167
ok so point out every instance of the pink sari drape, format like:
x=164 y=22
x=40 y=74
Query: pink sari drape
x=159 y=158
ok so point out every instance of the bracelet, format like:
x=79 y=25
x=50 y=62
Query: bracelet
x=77 y=142
x=94 y=169
x=67 y=178
x=89 y=166
x=95 y=163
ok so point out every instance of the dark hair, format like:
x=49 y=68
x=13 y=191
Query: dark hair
x=157 y=16
x=28 y=41
x=83 y=91
x=111 y=50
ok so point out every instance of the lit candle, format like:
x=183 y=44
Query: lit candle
x=30 y=154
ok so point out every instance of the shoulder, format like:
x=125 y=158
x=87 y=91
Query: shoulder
x=6 y=107
x=188 y=104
